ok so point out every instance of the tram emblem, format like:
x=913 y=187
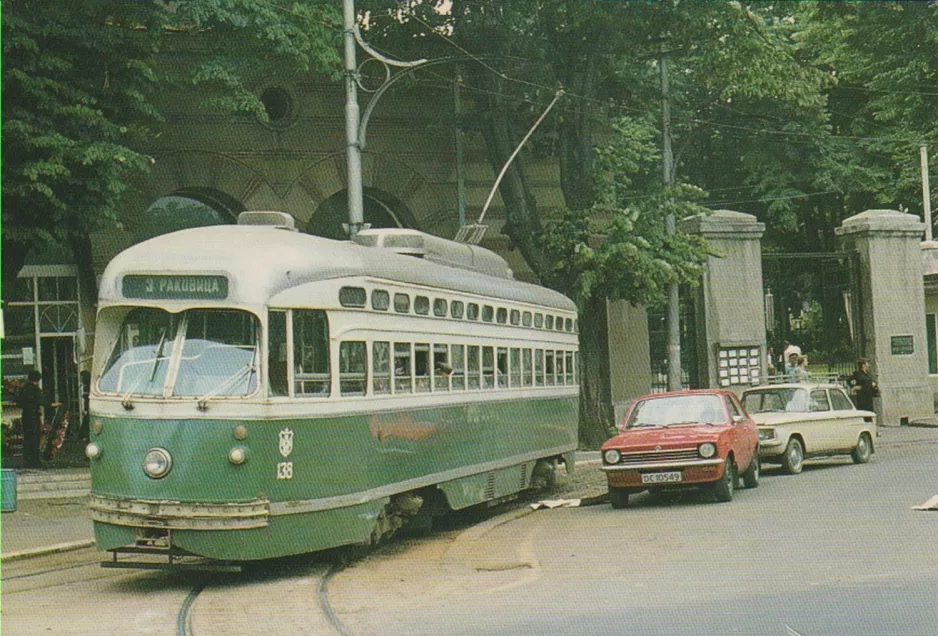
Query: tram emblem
x=286 y=442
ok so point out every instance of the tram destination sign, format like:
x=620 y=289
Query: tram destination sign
x=175 y=287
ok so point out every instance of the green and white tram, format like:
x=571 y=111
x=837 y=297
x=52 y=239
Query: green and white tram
x=258 y=392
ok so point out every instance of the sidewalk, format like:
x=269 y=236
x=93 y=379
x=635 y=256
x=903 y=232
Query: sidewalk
x=52 y=504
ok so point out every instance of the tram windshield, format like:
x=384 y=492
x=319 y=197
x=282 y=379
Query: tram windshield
x=198 y=353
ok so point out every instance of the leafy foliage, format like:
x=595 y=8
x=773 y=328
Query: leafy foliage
x=79 y=80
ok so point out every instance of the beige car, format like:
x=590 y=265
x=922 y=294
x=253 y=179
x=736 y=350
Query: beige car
x=808 y=420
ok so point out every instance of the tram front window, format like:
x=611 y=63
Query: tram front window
x=140 y=357
x=217 y=356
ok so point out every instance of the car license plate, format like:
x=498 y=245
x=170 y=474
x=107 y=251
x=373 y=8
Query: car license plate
x=661 y=478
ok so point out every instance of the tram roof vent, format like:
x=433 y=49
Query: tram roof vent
x=437 y=250
x=280 y=220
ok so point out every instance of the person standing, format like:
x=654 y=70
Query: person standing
x=801 y=370
x=791 y=349
x=791 y=366
x=33 y=402
x=862 y=386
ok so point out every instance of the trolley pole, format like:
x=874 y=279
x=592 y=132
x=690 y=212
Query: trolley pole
x=674 y=300
x=352 y=120
x=926 y=193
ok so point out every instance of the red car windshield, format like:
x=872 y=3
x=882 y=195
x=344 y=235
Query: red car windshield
x=678 y=409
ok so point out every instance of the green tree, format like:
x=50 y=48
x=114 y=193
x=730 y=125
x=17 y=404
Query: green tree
x=608 y=242
x=77 y=87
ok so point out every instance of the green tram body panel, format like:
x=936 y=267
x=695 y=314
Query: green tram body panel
x=343 y=469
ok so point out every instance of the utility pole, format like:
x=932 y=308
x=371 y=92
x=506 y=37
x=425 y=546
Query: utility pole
x=674 y=300
x=352 y=120
x=926 y=193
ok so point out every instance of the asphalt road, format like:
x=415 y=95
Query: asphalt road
x=836 y=550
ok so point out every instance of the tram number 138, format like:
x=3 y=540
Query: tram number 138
x=285 y=470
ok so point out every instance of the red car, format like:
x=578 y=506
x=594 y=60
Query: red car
x=681 y=440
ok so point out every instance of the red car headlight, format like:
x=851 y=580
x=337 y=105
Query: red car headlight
x=707 y=450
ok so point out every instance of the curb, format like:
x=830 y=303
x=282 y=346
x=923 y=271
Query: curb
x=51 y=549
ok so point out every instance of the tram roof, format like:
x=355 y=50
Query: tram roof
x=261 y=261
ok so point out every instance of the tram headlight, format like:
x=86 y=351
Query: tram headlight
x=612 y=456
x=707 y=450
x=93 y=451
x=237 y=455
x=157 y=463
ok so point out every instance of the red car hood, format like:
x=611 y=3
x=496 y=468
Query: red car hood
x=639 y=439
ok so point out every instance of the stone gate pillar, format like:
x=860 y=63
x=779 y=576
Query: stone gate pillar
x=730 y=302
x=892 y=309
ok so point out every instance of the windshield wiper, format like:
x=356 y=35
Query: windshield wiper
x=159 y=354
x=249 y=369
x=126 y=402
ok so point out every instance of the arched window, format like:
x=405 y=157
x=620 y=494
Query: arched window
x=186 y=209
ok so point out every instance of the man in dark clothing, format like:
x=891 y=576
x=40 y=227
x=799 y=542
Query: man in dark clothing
x=862 y=386
x=85 y=415
x=33 y=402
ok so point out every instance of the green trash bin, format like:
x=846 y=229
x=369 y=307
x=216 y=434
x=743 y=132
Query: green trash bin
x=8 y=494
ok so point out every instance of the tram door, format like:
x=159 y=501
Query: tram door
x=60 y=373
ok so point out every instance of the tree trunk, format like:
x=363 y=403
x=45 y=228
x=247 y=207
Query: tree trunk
x=14 y=257
x=596 y=413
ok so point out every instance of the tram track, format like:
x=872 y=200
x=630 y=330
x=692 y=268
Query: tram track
x=212 y=606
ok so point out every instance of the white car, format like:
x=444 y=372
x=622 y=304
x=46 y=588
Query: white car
x=808 y=420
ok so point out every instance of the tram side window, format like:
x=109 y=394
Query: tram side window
x=526 y=319
x=278 y=382
x=515 y=317
x=458 y=377
x=539 y=367
x=441 y=368
x=488 y=313
x=402 y=369
x=501 y=316
x=439 y=307
x=569 y=324
x=421 y=305
x=353 y=377
x=488 y=367
x=559 y=365
x=501 y=367
x=310 y=353
x=472 y=364
x=352 y=296
x=456 y=308
x=548 y=322
x=401 y=303
x=549 y=367
x=380 y=300
x=472 y=311
x=527 y=374
x=515 y=367
x=569 y=368
x=381 y=367
x=538 y=320
x=422 y=367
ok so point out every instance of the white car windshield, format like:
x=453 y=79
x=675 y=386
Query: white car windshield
x=780 y=400
x=196 y=353
x=677 y=409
